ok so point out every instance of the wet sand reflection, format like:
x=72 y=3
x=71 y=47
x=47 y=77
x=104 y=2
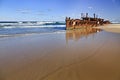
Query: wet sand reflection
x=79 y=33
x=48 y=57
x=2 y=77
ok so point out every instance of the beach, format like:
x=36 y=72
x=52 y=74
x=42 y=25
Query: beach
x=89 y=54
x=111 y=28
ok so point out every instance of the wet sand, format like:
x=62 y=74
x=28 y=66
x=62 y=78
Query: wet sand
x=70 y=55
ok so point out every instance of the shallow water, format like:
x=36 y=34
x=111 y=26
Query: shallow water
x=87 y=54
x=8 y=29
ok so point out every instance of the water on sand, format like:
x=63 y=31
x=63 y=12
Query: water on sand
x=70 y=55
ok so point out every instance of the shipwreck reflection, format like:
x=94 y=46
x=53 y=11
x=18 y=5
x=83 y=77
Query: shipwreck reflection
x=80 y=33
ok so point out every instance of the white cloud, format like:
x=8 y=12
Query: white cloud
x=117 y=20
x=90 y=7
x=41 y=14
x=24 y=11
x=7 y=18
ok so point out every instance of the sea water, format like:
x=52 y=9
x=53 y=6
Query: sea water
x=14 y=28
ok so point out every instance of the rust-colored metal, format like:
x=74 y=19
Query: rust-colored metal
x=80 y=33
x=84 y=22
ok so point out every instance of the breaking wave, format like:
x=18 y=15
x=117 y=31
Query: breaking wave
x=17 y=28
x=31 y=24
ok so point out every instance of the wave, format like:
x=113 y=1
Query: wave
x=31 y=24
x=28 y=31
x=17 y=28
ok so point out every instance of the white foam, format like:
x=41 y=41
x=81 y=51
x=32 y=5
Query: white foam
x=8 y=27
x=30 y=24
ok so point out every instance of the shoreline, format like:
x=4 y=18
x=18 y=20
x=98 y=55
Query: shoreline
x=72 y=55
x=115 y=28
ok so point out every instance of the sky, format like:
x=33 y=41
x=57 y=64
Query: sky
x=57 y=10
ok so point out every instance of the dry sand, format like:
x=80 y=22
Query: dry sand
x=71 y=55
x=111 y=28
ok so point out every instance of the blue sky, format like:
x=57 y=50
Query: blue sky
x=57 y=10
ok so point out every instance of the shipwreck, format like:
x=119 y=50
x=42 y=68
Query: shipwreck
x=85 y=21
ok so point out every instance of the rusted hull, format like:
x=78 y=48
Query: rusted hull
x=81 y=24
x=84 y=22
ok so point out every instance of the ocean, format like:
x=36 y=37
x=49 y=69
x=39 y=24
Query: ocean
x=14 y=28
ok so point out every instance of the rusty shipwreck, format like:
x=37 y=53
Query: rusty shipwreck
x=85 y=21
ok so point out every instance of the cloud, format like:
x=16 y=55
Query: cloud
x=90 y=7
x=117 y=20
x=41 y=14
x=7 y=18
x=24 y=11
x=49 y=9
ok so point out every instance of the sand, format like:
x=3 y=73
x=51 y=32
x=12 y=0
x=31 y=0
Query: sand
x=70 y=55
x=111 y=28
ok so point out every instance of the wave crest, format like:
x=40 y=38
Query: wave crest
x=31 y=24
